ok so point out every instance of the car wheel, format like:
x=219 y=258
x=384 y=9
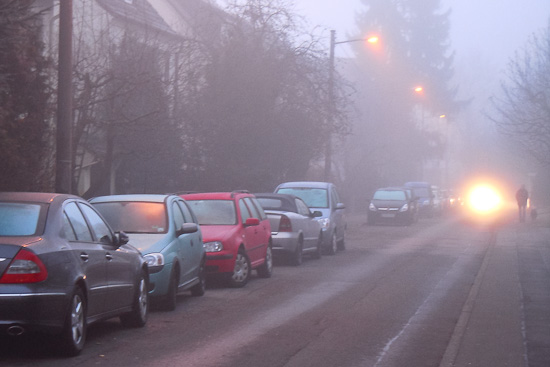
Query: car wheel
x=342 y=244
x=266 y=269
x=296 y=257
x=73 y=335
x=241 y=271
x=318 y=250
x=138 y=316
x=200 y=288
x=331 y=250
x=169 y=302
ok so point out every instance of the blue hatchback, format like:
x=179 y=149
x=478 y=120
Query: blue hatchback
x=166 y=231
x=323 y=197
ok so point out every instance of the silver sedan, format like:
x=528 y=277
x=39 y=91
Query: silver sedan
x=295 y=229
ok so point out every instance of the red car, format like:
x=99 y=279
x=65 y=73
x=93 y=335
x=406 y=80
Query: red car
x=236 y=234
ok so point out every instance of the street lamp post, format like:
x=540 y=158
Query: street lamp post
x=64 y=150
x=328 y=147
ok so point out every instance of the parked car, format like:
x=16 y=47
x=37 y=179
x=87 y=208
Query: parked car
x=322 y=196
x=423 y=191
x=295 y=229
x=166 y=231
x=392 y=205
x=237 y=235
x=63 y=268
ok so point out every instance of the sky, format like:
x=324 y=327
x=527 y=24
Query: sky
x=491 y=30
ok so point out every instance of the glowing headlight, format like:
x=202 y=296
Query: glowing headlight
x=484 y=199
x=215 y=246
x=154 y=259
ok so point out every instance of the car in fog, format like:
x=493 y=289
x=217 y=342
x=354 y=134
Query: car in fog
x=237 y=235
x=167 y=232
x=393 y=205
x=63 y=268
x=322 y=196
x=423 y=192
x=295 y=230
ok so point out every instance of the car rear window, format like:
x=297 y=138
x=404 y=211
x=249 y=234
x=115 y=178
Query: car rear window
x=214 y=212
x=19 y=219
x=134 y=217
x=314 y=198
x=389 y=195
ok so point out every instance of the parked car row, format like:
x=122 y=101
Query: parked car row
x=66 y=263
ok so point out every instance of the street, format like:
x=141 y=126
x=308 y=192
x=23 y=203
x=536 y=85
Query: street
x=437 y=293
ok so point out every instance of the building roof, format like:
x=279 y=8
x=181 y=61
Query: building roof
x=136 y=11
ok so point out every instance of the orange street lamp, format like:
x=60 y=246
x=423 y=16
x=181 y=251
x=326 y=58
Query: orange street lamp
x=333 y=43
x=418 y=89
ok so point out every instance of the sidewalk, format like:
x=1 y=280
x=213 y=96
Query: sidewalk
x=506 y=320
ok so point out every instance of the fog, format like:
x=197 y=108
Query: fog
x=484 y=36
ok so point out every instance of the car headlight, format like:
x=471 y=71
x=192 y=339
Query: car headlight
x=404 y=208
x=325 y=222
x=154 y=259
x=214 y=246
x=372 y=207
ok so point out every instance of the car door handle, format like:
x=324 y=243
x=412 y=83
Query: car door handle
x=108 y=256
x=84 y=256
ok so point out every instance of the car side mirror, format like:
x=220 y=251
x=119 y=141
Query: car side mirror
x=121 y=238
x=340 y=206
x=252 y=222
x=187 y=228
x=316 y=214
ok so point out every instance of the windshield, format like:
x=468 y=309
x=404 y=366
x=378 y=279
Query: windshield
x=134 y=217
x=389 y=195
x=19 y=219
x=314 y=198
x=214 y=212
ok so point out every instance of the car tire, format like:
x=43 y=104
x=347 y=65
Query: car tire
x=138 y=316
x=170 y=300
x=318 y=251
x=73 y=335
x=331 y=250
x=241 y=271
x=199 y=289
x=266 y=269
x=296 y=257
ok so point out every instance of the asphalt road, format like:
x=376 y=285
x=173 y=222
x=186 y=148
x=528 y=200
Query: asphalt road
x=438 y=293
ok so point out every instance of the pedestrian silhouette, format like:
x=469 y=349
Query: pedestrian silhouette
x=521 y=196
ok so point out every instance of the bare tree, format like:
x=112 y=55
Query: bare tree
x=261 y=115
x=523 y=105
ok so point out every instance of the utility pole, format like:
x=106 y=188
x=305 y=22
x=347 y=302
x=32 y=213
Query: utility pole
x=328 y=147
x=64 y=146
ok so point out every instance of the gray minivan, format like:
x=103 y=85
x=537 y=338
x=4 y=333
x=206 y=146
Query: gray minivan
x=322 y=196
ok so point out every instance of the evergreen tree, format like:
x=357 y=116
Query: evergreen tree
x=392 y=137
x=24 y=101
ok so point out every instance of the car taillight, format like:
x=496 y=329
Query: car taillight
x=25 y=267
x=284 y=224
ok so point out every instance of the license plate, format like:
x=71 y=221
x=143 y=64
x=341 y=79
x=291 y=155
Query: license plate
x=388 y=215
